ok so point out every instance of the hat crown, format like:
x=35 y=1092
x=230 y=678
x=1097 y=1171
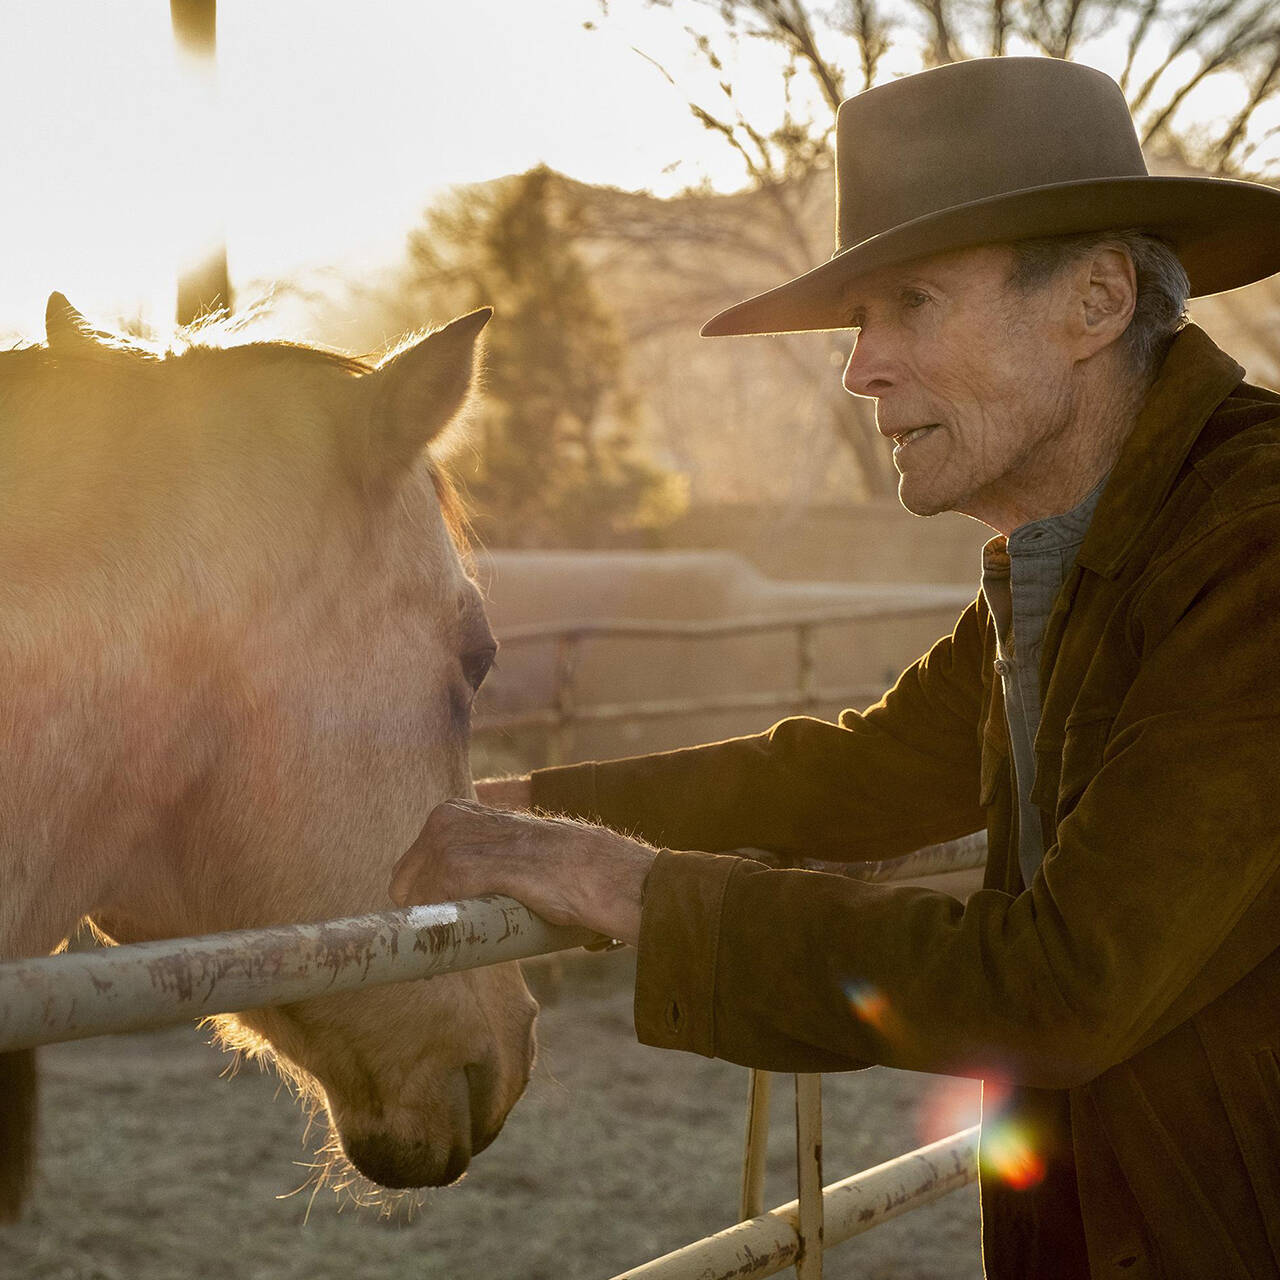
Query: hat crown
x=971 y=131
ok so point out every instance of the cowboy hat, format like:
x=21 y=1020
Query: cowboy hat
x=1002 y=149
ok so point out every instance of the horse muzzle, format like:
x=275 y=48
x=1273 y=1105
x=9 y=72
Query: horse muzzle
x=394 y=1161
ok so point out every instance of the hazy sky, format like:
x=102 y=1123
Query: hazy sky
x=337 y=121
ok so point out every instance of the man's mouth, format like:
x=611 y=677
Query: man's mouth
x=904 y=438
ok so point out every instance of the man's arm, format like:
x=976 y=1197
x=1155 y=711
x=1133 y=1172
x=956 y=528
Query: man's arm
x=1161 y=891
x=893 y=778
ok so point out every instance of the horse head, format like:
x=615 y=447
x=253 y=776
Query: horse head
x=245 y=646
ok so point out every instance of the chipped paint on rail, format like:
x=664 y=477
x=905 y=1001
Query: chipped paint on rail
x=153 y=984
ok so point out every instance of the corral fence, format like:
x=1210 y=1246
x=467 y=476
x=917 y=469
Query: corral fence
x=806 y=695
x=145 y=986
x=148 y=985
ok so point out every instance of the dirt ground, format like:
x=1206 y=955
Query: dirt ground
x=153 y=1167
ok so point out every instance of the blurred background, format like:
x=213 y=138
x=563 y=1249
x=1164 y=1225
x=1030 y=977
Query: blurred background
x=607 y=174
x=680 y=538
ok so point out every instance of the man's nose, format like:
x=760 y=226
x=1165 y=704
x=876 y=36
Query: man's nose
x=869 y=370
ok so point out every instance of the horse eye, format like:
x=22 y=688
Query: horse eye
x=476 y=664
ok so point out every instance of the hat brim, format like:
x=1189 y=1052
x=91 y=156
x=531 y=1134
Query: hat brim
x=1226 y=234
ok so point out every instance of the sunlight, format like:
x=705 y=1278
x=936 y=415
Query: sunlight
x=330 y=134
x=94 y=183
x=334 y=126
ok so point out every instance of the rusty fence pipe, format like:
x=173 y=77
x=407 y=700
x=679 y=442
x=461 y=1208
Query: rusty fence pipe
x=770 y=1243
x=145 y=985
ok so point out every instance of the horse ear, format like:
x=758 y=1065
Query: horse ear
x=66 y=330
x=420 y=389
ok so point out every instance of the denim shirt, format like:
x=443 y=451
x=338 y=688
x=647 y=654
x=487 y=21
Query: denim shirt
x=1021 y=577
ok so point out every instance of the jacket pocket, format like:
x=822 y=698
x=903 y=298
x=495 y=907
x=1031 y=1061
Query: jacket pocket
x=1082 y=749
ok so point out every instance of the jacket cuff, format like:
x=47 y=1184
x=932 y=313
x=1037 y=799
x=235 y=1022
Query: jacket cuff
x=679 y=944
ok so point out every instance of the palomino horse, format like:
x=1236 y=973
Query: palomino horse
x=238 y=652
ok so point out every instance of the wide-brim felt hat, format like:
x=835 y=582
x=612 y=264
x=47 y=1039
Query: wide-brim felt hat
x=1002 y=149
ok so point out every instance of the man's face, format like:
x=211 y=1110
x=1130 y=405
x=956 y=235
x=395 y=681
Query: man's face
x=971 y=379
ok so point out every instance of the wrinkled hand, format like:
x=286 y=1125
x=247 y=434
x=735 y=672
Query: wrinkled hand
x=568 y=872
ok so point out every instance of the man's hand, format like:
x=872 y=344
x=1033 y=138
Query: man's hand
x=567 y=872
x=506 y=793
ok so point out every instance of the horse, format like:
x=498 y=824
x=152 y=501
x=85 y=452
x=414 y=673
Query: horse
x=238 y=650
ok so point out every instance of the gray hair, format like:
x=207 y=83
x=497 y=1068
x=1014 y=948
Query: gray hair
x=1161 y=306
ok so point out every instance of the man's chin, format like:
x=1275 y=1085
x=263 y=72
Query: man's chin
x=917 y=502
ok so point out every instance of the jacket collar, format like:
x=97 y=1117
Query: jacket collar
x=1193 y=380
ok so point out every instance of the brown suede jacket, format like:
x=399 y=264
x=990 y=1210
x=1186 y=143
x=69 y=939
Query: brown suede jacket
x=1129 y=998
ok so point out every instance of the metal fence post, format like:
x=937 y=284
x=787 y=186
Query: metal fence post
x=757 y=1143
x=809 y=1176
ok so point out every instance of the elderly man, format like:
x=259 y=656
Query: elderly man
x=1108 y=707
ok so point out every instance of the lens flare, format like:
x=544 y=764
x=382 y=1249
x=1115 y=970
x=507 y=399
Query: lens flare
x=868 y=1003
x=872 y=1006
x=947 y=1105
x=1008 y=1152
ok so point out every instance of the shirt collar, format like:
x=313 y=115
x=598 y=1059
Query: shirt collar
x=1193 y=380
x=1063 y=532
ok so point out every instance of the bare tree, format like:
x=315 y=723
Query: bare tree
x=828 y=51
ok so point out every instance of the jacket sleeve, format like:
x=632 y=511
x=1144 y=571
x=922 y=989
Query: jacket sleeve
x=902 y=774
x=1162 y=889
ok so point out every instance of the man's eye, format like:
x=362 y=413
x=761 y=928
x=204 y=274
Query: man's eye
x=914 y=298
x=476 y=664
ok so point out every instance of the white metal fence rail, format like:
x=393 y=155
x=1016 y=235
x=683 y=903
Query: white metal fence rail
x=770 y=1243
x=146 y=985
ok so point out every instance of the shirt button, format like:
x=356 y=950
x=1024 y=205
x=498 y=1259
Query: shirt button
x=1002 y=667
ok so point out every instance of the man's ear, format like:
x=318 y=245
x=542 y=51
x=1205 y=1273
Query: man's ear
x=415 y=393
x=1107 y=296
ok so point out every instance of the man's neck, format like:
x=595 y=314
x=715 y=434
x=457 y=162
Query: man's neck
x=1064 y=473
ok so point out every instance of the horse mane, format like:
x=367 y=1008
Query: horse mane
x=220 y=334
